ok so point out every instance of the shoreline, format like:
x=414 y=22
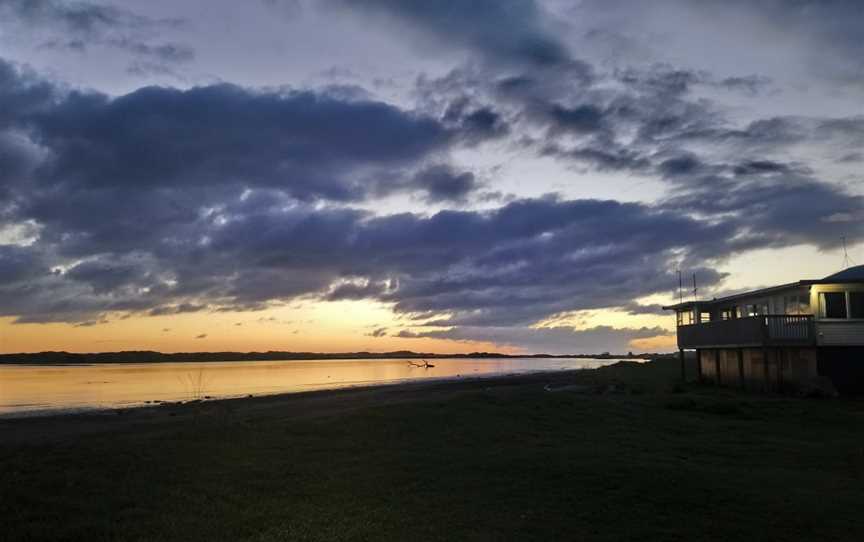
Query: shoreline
x=51 y=427
x=151 y=357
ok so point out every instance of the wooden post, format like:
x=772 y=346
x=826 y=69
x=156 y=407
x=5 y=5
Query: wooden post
x=780 y=355
x=766 y=375
x=741 y=367
x=717 y=365
x=683 y=365
x=699 y=376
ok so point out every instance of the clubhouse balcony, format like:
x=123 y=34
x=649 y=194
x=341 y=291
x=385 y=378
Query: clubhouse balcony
x=751 y=331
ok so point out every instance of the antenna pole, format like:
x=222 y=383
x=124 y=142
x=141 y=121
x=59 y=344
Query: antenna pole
x=694 y=287
x=680 y=288
x=847 y=261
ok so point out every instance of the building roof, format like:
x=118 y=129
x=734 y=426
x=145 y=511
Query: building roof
x=855 y=273
x=849 y=275
x=726 y=299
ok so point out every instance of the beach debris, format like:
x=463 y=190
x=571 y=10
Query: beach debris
x=576 y=388
x=425 y=364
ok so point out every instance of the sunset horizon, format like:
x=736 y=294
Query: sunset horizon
x=389 y=270
x=381 y=175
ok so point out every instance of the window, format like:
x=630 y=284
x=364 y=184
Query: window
x=833 y=304
x=728 y=314
x=856 y=304
x=755 y=310
x=704 y=317
x=685 y=318
x=797 y=304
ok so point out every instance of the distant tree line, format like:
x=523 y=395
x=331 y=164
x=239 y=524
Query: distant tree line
x=147 y=356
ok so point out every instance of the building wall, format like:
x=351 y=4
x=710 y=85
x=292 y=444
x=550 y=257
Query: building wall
x=839 y=333
x=836 y=332
x=769 y=368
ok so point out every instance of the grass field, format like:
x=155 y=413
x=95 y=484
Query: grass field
x=505 y=460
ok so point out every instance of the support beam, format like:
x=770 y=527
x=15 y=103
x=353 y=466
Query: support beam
x=740 y=352
x=780 y=355
x=699 y=375
x=683 y=365
x=717 y=365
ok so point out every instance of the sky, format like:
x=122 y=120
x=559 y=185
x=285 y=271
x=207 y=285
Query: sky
x=449 y=176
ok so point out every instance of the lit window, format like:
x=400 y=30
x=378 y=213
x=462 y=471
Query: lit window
x=685 y=318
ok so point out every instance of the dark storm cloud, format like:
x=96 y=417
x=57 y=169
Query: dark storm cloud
x=475 y=123
x=178 y=151
x=654 y=125
x=510 y=31
x=609 y=157
x=18 y=264
x=786 y=206
x=22 y=93
x=616 y=124
x=513 y=265
x=106 y=276
x=182 y=308
x=516 y=264
x=354 y=290
x=443 y=183
x=302 y=142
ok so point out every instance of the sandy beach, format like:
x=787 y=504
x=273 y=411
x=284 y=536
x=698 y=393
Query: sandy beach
x=561 y=456
x=300 y=405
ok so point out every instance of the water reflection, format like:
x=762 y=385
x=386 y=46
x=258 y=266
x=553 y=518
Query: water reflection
x=27 y=389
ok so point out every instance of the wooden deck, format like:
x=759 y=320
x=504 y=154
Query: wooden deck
x=754 y=331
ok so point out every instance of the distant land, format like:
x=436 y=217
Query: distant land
x=146 y=356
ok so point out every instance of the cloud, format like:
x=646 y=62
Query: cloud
x=442 y=183
x=309 y=145
x=553 y=340
x=78 y=25
x=829 y=32
x=229 y=198
x=181 y=308
x=508 y=31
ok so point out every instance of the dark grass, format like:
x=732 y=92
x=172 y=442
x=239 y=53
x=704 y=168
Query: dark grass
x=642 y=461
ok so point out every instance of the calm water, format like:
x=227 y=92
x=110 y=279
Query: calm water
x=27 y=390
